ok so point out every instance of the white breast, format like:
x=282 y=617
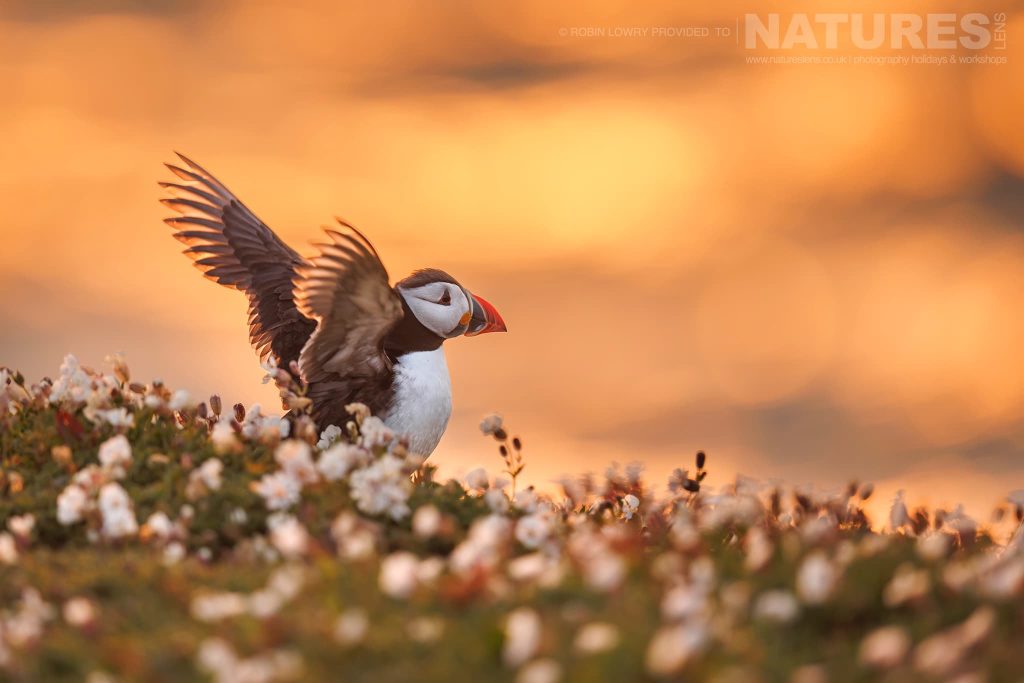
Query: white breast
x=423 y=399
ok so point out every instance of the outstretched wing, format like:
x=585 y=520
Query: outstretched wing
x=236 y=249
x=345 y=289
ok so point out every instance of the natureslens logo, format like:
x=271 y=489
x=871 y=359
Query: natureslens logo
x=859 y=31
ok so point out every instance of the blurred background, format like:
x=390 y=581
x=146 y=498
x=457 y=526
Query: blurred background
x=812 y=272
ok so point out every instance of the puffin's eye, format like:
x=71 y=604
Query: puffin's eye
x=446 y=298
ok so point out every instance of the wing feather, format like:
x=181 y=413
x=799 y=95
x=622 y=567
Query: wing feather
x=345 y=289
x=233 y=247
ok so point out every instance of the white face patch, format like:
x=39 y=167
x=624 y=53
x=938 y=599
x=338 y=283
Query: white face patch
x=442 y=307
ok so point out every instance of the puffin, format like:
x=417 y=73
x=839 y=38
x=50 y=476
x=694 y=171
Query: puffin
x=354 y=337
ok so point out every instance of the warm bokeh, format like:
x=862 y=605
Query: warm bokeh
x=813 y=272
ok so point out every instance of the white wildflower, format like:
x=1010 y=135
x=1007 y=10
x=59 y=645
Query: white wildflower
x=884 y=647
x=74 y=383
x=173 y=553
x=759 y=549
x=934 y=546
x=596 y=637
x=279 y=490
x=116 y=452
x=540 y=671
x=383 y=487
x=425 y=629
x=72 y=503
x=181 y=400
x=533 y=530
x=224 y=439
x=209 y=473
x=477 y=479
x=22 y=525
x=491 y=424
x=776 y=605
x=426 y=521
x=816 y=579
x=328 y=437
x=160 y=525
x=526 y=500
x=630 y=504
x=215 y=656
x=351 y=627
x=295 y=458
x=683 y=602
x=116 y=509
x=496 y=500
x=374 y=432
x=907 y=585
x=337 y=461
x=79 y=612
x=398 y=574
x=8 y=549
x=217 y=606
x=522 y=636
x=898 y=516
x=116 y=417
x=672 y=647
x=288 y=535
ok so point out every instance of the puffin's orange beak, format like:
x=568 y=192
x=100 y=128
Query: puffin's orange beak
x=485 y=318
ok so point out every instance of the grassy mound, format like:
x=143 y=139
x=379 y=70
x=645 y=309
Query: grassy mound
x=148 y=537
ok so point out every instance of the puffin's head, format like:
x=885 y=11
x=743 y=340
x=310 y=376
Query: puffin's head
x=445 y=307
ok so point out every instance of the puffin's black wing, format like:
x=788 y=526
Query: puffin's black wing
x=345 y=289
x=236 y=249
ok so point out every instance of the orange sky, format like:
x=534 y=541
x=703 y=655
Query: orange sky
x=812 y=272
